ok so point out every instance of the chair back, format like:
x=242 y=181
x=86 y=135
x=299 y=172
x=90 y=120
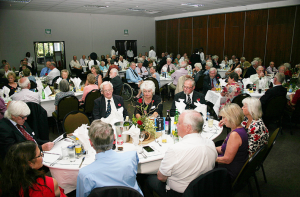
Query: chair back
x=213 y=183
x=54 y=80
x=72 y=74
x=239 y=98
x=155 y=83
x=33 y=85
x=271 y=142
x=199 y=84
x=66 y=105
x=249 y=167
x=275 y=107
x=116 y=191
x=73 y=120
x=89 y=101
x=180 y=84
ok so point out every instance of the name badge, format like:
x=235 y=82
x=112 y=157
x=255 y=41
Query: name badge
x=33 y=133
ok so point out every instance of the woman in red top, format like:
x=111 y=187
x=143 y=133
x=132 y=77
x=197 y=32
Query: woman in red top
x=21 y=176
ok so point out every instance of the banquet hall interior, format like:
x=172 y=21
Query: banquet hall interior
x=269 y=29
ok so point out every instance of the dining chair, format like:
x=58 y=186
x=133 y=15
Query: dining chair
x=180 y=83
x=116 y=191
x=271 y=143
x=248 y=171
x=88 y=105
x=65 y=105
x=54 y=81
x=239 y=98
x=215 y=182
x=73 y=120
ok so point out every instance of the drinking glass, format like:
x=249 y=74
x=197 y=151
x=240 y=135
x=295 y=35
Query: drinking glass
x=71 y=151
x=141 y=138
x=64 y=152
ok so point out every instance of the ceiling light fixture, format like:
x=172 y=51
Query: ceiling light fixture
x=17 y=1
x=193 y=4
x=96 y=6
x=151 y=12
x=135 y=9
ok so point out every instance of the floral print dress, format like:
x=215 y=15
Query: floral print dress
x=258 y=134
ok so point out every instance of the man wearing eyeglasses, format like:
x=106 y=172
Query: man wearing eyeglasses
x=14 y=129
x=210 y=81
x=189 y=96
x=108 y=104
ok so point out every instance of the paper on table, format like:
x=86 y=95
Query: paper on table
x=180 y=106
x=47 y=91
x=201 y=108
x=58 y=80
x=134 y=132
x=222 y=82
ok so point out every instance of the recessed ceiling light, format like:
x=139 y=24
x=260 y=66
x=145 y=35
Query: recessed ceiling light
x=135 y=9
x=17 y=1
x=96 y=6
x=193 y=4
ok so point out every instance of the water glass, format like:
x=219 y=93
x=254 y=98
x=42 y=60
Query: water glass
x=64 y=152
x=210 y=123
x=71 y=151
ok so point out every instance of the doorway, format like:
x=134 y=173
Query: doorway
x=49 y=51
x=123 y=46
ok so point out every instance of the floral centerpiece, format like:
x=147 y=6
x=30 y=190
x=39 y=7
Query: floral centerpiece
x=292 y=82
x=145 y=122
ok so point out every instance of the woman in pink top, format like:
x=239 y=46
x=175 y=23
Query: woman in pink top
x=90 y=85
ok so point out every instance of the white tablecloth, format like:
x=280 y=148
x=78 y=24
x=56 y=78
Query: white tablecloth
x=66 y=172
x=165 y=81
x=222 y=72
x=48 y=103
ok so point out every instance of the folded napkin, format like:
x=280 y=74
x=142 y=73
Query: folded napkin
x=82 y=134
x=6 y=91
x=47 y=91
x=40 y=86
x=246 y=81
x=76 y=82
x=58 y=80
x=180 y=106
x=222 y=82
x=164 y=69
x=114 y=116
x=134 y=132
x=1 y=94
x=201 y=108
x=222 y=66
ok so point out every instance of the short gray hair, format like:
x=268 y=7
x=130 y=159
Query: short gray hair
x=193 y=118
x=198 y=65
x=101 y=135
x=215 y=56
x=53 y=64
x=258 y=67
x=209 y=64
x=238 y=70
x=191 y=80
x=287 y=65
x=280 y=77
x=64 y=70
x=148 y=85
x=24 y=84
x=105 y=83
x=183 y=64
x=114 y=70
x=64 y=85
x=254 y=62
x=17 y=108
x=91 y=78
x=96 y=68
x=213 y=69
x=233 y=113
x=169 y=59
x=254 y=107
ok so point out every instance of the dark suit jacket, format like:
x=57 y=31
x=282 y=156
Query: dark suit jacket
x=198 y=75
x=207 y=83
x=271 y=93
x=162 y=62
x=150 y=110
x=10 y=135
x=117 y=83
x=100 y=107
x=181 y=95
x=250 y=71
x=145 y=64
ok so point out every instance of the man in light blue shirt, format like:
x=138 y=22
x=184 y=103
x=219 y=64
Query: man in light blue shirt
x=45 y=70
x=110 y=168
x=132 y=77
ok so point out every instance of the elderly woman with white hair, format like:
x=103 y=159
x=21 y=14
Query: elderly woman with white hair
x=149 y=100
x=208 y=66
x=258 y=134
x=239 y=72
x=197 y=73
x=64 y=92
x=215 y=61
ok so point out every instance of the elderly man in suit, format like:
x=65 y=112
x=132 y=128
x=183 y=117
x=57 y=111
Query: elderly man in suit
x=14 y=129
x=210 y=81
x=188 y=95
x=116 y=81
x=108 y=103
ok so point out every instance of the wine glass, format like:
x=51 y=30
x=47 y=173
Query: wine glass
x=142 y=137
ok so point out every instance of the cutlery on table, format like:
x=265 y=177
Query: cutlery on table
x=60 y=158
x=81 y=162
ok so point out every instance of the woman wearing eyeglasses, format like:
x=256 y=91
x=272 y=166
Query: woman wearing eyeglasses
x=21 y=176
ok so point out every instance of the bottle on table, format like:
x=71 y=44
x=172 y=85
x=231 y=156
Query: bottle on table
x=78 y=148
x=114 y=143
x=168 y=123
x=176 y=117
x=254 y=88
x=43 y=94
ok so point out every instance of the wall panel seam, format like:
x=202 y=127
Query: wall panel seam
x=224 y=36
x=244 y=34
x=266 y=36
x=293 y=34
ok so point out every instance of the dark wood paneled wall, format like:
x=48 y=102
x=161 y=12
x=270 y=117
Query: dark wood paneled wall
x=271 y=34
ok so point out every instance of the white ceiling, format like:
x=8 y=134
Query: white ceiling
x=119 y=7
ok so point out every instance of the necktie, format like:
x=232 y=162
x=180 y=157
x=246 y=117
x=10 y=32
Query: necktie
x=168 y=68
x=26 y=135
x=134 y=73
x=212 y=83
x=141 y=71
x=189 y=101
x=108 y=109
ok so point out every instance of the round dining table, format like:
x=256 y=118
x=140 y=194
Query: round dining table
x=66 y=172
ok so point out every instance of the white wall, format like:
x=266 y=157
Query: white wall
x=82 y=33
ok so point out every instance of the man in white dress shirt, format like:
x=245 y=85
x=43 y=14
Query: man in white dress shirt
x=141 y=70
x=259 y=79
x=75 y=65
x=83 y=61
x=26 y=94
x=152 y=53
x=123 y=63
x=186 y=160
x=53 y=73
x=130 y=54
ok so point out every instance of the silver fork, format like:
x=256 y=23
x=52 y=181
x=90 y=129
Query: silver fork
x=60 y=158
x=143 y=154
